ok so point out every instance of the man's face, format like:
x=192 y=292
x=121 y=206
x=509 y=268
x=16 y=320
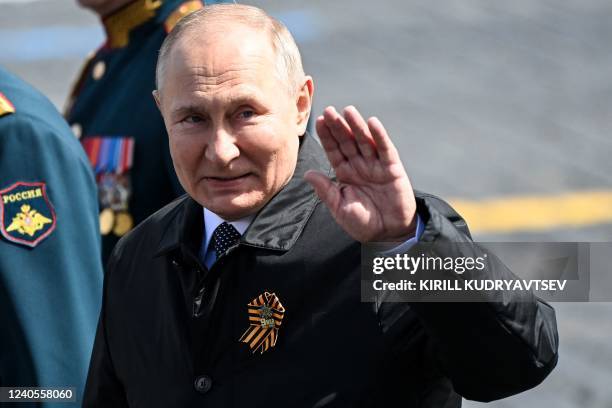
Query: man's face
x=232 y=124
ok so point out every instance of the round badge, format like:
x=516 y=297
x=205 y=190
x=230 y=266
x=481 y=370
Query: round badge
x=77 y=130
x=123 y=224
x=98 y=70
x=107 y=220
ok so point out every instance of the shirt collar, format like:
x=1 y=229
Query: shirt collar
x=212 y=221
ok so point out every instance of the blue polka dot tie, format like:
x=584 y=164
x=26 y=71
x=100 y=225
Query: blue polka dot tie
x=224 y=237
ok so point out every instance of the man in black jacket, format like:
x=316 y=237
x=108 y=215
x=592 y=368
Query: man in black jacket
x=246 y=292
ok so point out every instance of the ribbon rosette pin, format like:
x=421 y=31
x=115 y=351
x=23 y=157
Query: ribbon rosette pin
x=265 y=316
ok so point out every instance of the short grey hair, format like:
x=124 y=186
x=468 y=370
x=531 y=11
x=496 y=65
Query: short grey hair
x=289 y=62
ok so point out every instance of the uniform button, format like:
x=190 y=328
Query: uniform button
x=98 y=70
x=77 y=130
x=203 y=384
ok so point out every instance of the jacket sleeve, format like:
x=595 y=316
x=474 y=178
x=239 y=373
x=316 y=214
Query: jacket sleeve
x=491 y=349
x=50 y=293
x=103 y=387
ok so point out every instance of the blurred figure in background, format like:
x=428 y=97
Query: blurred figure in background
x=50 y=270
x=111 y=110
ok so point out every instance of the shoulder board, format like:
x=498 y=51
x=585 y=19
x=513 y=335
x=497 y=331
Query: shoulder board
x=181 y=11
x=6 y=106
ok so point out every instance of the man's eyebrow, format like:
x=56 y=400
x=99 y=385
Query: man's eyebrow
x=241 y=99
x=251 y=100
x=236 y=100
x=185 y=109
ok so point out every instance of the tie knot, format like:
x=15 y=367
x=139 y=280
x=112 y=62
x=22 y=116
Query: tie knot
x=225 y=236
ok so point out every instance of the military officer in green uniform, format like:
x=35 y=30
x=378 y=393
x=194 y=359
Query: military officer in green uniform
x=112 y=112
x=50 y=269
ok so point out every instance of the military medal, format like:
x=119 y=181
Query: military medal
x=107 y=220
x=123 y=224
x=111 y=159
x=265 y=317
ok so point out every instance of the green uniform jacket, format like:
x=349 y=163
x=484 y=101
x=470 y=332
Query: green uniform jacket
x=50 y=269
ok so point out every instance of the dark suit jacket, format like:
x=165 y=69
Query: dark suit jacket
x=170 y=329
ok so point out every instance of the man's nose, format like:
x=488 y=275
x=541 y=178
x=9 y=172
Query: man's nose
x=222 y=148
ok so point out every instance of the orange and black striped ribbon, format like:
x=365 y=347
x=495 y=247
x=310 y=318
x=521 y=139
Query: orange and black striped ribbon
x=265 y=316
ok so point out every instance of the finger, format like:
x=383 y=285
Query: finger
x=328 y=191
x=384 y=146
x=361 y=132
x=332 y=150
x=341 y=131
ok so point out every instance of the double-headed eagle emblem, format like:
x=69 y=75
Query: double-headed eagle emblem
x=28 y=221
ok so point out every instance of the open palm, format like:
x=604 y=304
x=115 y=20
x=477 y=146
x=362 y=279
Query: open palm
x=372 y=199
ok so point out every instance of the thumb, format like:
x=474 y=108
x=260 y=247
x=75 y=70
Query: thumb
x=327 y=190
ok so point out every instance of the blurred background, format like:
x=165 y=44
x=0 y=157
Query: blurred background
x=503 y=108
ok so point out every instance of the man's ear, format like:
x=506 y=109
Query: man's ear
x=157 y=99
x=304 y=103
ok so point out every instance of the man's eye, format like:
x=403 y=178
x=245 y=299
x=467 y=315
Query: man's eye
x=246 y=114
x=192 y=119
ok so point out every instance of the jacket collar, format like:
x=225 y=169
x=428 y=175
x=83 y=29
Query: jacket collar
x=278 y=224
x=120 y=23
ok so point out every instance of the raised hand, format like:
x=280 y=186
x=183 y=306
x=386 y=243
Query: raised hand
x=372 y=199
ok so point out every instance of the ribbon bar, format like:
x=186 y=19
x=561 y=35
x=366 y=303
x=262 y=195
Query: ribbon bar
x=109 y=154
